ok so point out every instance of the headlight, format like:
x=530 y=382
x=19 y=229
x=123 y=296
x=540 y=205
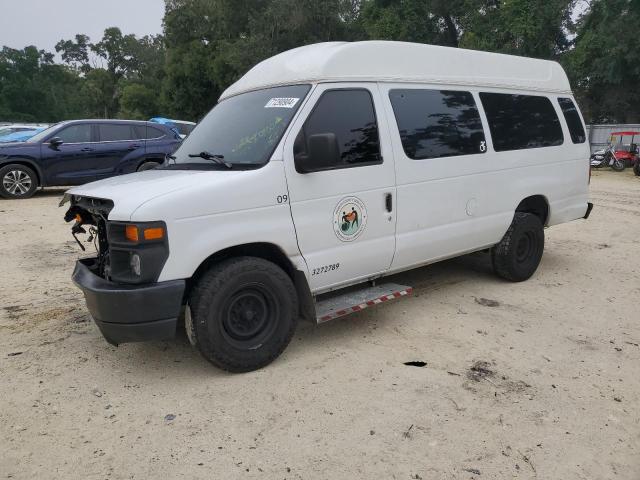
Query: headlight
x=137 y=251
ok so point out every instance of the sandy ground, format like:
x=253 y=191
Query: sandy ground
x=556 y=399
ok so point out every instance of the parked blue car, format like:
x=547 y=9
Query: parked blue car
x=81 y=151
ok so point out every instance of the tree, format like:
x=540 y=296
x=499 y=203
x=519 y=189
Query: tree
x=605 y=63
x=33 y=88
x=519 y=27
x=75 y=54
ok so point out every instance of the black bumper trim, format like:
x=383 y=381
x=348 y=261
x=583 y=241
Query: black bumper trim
x=589 y=208
x=130 y=313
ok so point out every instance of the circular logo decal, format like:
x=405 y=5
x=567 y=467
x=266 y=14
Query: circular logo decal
x=349 y=219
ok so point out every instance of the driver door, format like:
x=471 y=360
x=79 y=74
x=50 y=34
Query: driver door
x=343 y=201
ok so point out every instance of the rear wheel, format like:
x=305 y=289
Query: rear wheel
x=17 y=181
x=518 y=254
x=636 y=168
x=148 y=166
x=244 y=312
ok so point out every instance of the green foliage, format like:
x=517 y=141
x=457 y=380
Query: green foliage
x=605 y=63
x=208 y=44
x=33 y=88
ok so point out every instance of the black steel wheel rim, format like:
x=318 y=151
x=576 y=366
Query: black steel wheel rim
x=526 y=246
x=249 y=316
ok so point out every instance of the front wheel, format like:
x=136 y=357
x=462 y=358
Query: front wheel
x=518 y=254
x=17 y=181
x=618 y=165
x=244 y=312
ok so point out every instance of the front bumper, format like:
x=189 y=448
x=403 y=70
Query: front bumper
x=130 y=313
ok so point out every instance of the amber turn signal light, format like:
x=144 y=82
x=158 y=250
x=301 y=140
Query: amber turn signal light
x=153 y=233
x=131 y=233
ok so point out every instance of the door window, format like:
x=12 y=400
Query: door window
x=116 y=132
x=76 y=134
x=518 y=122
x=576 y=130
x=350 y=116
x=437 y=123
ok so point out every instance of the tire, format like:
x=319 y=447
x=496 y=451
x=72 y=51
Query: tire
x=17 y=181
x=147 y=166
x=618 y=165
x=518 y=254
x=244 y=312
x=636 y=168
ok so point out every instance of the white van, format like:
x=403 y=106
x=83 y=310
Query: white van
x=331 y=166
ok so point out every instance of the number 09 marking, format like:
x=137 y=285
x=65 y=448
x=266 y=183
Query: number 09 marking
x=282 y=198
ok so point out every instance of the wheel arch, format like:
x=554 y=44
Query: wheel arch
x=271 y=253
x=26 y=162
x=537 y=205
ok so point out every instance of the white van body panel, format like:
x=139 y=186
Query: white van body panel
x=385 y=61
x=453 y=205
x=315 y=196
x=442 y=207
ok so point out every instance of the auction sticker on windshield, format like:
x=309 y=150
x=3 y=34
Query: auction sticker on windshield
x=282 y=102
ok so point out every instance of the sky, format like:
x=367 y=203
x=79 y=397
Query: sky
x=44 y=22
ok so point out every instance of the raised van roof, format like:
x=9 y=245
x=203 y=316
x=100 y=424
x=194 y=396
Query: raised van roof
x=402 y=62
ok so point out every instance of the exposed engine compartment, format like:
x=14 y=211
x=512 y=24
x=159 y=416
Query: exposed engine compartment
x=92 y=213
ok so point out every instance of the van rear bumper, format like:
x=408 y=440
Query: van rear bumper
x=130 y=313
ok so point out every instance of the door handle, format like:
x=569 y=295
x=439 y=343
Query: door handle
x=86 y=149
x=134 y=146
x=388 y=202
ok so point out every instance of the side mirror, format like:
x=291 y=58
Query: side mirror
x=55 y=142
x=322 y=153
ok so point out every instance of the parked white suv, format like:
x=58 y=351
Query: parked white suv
x=325 y=167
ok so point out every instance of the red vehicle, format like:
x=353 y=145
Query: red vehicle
x=618 y=155
x=626 y=152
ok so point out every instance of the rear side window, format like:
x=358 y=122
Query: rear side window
x=75 y=134
x=350 y=116
x=571 y=115
x=115 y=132
x=147 y=132
x=437 y=123
x=517 y=122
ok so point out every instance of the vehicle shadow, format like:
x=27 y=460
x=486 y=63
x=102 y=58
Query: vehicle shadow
x=174 y=357
x=471 y=268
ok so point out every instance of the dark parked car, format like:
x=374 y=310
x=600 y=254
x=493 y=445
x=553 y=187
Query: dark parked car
x=81 y=151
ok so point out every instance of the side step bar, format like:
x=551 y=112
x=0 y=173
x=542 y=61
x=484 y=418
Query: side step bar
x=343 y=304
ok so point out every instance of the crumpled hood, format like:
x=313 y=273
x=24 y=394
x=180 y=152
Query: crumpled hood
x=129 y=192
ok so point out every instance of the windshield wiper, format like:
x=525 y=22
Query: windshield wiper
x=210 y=156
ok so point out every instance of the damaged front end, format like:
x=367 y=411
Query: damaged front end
x=120 y=283
x=90 y=214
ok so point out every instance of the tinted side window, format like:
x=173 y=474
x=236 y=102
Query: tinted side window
x=350 y=116
x=521 y=121
x=153 y=132
x=576 y=130
x=147 y=132
x=75 y=134
x=115 y=132
x=437 y=123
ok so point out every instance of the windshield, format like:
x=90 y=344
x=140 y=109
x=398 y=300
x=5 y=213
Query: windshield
x=38 y=137
x=244 y=129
